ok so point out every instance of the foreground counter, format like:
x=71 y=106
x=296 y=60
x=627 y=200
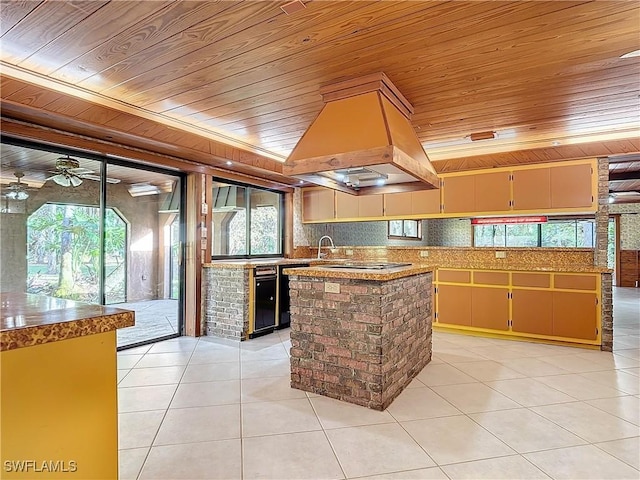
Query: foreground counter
x=359 y=336
x=58 y=411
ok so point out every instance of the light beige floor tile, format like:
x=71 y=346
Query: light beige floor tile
x=269 y=389
x=529 y=392
x=418 y=403
x=207 y=460
x=634 y=371
x=455 y=439
x=139 y=377
x=376 y=449
x=499 y=352
x=474 y=398
x=507 y=468
x=627 y=450
x=458 y=355
x=579 y=387
x=130 y=462
x=126 y=362
x=137 y=429
x=525 y=431
x=215 y=355
x=171 y=359
x=336 y=414
x=415 y=383
x=202 y=424
x=137 y=399
x=588 y=422
x=617 y=379
x=487 y=371
x=621 y=361
x=573 y=363
x=534 y=367
x=285 y=416
x=627 y=408
x=266 y=368
x=443 y=374
x=295 y=456
x=214 y=343
x=583 y=462
x=141 y=350
x=202 y=394
x=211 y=372
x=274 y=352
x=121 y=374
x=180 y=344
x=433 y=473
x=632 y=353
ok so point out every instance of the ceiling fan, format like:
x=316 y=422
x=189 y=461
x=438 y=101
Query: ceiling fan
x=17 y=190
x=69 y=173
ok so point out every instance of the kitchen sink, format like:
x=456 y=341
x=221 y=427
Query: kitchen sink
x=368 y=266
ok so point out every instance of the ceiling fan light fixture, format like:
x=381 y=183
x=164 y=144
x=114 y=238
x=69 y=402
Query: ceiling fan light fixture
x=12 y=195
x=61 y=180
x=75 y=181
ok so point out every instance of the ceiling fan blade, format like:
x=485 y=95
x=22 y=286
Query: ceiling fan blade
x=79 y=171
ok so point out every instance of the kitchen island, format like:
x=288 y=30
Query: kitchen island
x=360 y=335
x=58 y=411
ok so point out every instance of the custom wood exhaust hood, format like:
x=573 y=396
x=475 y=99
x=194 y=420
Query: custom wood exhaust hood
x=362 y=142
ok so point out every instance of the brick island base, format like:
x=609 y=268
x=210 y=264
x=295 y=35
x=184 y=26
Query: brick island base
x=359 y=340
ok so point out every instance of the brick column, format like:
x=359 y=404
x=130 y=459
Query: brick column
x=225 y=299
x=600 y=254
x=606 y=312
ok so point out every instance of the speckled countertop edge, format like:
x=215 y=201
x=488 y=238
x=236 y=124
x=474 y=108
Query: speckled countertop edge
x=360 y=274
x=41 y=328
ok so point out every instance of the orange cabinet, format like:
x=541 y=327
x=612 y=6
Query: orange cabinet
x=369 y=206
x=571 y=186
x=575 y=315
x=317 y=205
x=532 y=189
x=425 y=202
x=532 y=312
x=459 y=194
x=346 y=205
x=396 y=204
x=490 y=308
x=492 y=192
x=454 y=305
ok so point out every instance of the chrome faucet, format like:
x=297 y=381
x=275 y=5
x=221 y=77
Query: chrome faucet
x=320 y=255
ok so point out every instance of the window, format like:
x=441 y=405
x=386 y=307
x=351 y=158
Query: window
x=556 y=233
x=236 y=234
x=406 y=229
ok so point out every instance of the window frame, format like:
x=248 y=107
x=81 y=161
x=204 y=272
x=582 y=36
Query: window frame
x=418 y=235
x=505 y=236
x=247 y=207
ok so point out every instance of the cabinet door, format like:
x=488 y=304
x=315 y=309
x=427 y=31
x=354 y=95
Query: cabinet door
x=459 y=194
x=532 y=312
x=532 y=189
x=574 y=315
x=369 y=206
x=571 y=186
x=490 y=308
x=425 y=201
x=317 y=205
x=492 y=192
x=397 y=204
x=454 y=305
x=346 y=205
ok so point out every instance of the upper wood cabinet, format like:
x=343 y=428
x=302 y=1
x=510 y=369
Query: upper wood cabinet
x=317 y=204
x=492 y=192
x=532 y=189
x=346 y=205
x=571 y=186
x=421 y=202
x=369 y=206
x=459 y=194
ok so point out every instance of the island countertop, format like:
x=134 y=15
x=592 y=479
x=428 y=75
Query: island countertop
x=360 y=273
x=27 y=319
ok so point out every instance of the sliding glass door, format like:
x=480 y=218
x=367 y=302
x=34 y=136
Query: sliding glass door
x=93 y=230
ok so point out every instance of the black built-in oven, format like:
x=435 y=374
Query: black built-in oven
x=265 y=280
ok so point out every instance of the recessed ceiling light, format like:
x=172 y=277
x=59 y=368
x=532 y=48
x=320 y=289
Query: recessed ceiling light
x=555 y=143
x=293 y=7
x=635 y=53
x=301 y=181
x=229 y=163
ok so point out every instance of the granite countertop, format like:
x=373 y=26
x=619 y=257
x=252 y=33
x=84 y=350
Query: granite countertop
x=27 y=320
x=360 y=274
x=257 y=262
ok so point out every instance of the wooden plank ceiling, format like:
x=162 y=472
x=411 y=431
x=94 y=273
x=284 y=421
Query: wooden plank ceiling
x=545 y=76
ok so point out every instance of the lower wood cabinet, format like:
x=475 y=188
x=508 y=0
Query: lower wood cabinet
x=555 y=305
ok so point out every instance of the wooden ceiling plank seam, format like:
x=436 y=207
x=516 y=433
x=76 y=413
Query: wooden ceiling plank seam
x=157 y=27
x=12 y=13
x=330 y=53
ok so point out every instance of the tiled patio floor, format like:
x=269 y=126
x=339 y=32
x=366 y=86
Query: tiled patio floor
x=154 y=319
